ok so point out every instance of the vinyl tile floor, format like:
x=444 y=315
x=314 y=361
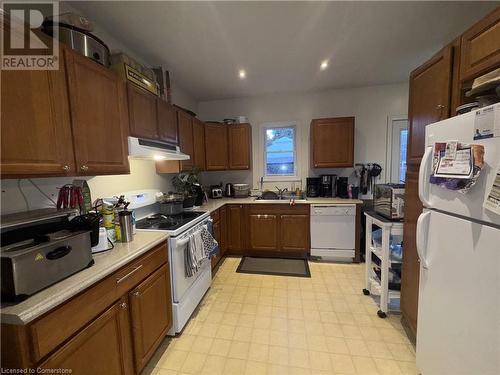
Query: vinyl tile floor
x=259 y=324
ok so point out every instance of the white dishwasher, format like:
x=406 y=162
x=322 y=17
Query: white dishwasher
x=333 y=231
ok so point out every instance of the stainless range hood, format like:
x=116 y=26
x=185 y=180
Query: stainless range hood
x=140 y=148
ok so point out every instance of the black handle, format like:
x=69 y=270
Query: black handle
x=58 y=253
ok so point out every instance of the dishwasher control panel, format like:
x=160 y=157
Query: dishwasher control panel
x=333 y=210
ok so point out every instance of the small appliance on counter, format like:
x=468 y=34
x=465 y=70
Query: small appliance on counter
x=342 y=187
x=199 y=194
x=313 y=186
x=38 y=249
x=216 y=191
x=241 y=190
x=389 y=200
x=229 y=190
x=328 y=185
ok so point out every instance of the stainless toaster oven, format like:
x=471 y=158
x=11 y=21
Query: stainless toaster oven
x=389 y=200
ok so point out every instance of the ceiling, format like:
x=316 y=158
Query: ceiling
x=281 y=44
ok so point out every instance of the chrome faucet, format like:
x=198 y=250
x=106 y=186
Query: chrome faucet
x=281 y=191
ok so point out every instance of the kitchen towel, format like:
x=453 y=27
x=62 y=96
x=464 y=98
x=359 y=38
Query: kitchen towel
x=190 y=263
x=210 y=245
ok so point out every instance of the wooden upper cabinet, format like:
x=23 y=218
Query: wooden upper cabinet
x=102 y=347
x=167 y=122
x=185 y=124
x=263 y=234
x=332 y=142
x=99 y=117
x=36 y=125
x=199 y=144
x=294 y=233
x=216 y=147
x=480 y=47
x=240 y=145
x=151 y=314
x=429 y=99
x=142 y=112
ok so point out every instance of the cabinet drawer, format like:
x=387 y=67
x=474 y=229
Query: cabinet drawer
x=58 y=325
x=215 y=215
x=279 y=208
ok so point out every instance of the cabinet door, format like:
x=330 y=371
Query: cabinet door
x=36 y=126
x=167 y=122
x=199 y=144
x=99 y=117
x=216 y=147
x=263 y=232
x=186 y=139
x=480 y=47
x=294 y=233
x=151 y=314
x=411 y=267
x=235 y=221
x=142 y=112
x=429 y=100
x=223 y=230
x=332 y=142
x=217 y=236
x=102 y=347
x=239 y=146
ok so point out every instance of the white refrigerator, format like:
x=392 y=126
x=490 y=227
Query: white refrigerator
x=458 y=243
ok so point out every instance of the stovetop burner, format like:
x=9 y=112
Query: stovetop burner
x=167 y=222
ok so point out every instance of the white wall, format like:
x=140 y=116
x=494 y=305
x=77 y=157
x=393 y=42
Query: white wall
x=371 y=106
x=142 y=176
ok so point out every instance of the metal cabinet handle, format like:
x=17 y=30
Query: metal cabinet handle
x=135 y=293
x=119 y=280
x=65 y=168
x=439 y=107
x=84 y=168
x=123 y=305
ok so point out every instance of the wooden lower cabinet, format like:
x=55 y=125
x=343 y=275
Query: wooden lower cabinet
x=150 y=314
x=263 y=234
x=103 y=347
x=276 y=228
x=235 y=219
x=113 y=327
x=294 y=233
x=411 y=264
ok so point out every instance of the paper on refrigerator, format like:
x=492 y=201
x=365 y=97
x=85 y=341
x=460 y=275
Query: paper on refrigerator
x=492 y=200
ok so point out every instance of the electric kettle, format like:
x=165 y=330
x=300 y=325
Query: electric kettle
x=229 y=190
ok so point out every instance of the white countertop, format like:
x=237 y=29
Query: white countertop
x=105 y=264
x=214 y=204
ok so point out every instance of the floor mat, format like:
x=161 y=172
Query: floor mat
x=274 y=266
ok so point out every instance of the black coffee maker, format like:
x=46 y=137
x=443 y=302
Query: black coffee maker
x=328 y=185
x=313 y=186
x=342 y=187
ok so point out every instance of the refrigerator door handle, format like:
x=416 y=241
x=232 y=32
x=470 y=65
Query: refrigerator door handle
x=421 y=240
x=423 y=177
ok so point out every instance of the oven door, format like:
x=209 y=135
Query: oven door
x=181 y=284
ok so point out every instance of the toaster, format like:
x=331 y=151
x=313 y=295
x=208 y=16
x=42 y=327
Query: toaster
x=215 y=192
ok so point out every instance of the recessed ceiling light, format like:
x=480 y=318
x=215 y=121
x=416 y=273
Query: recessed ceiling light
x=242 y=74
x=324 y=65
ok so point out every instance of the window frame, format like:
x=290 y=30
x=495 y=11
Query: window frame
x=277 y=125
